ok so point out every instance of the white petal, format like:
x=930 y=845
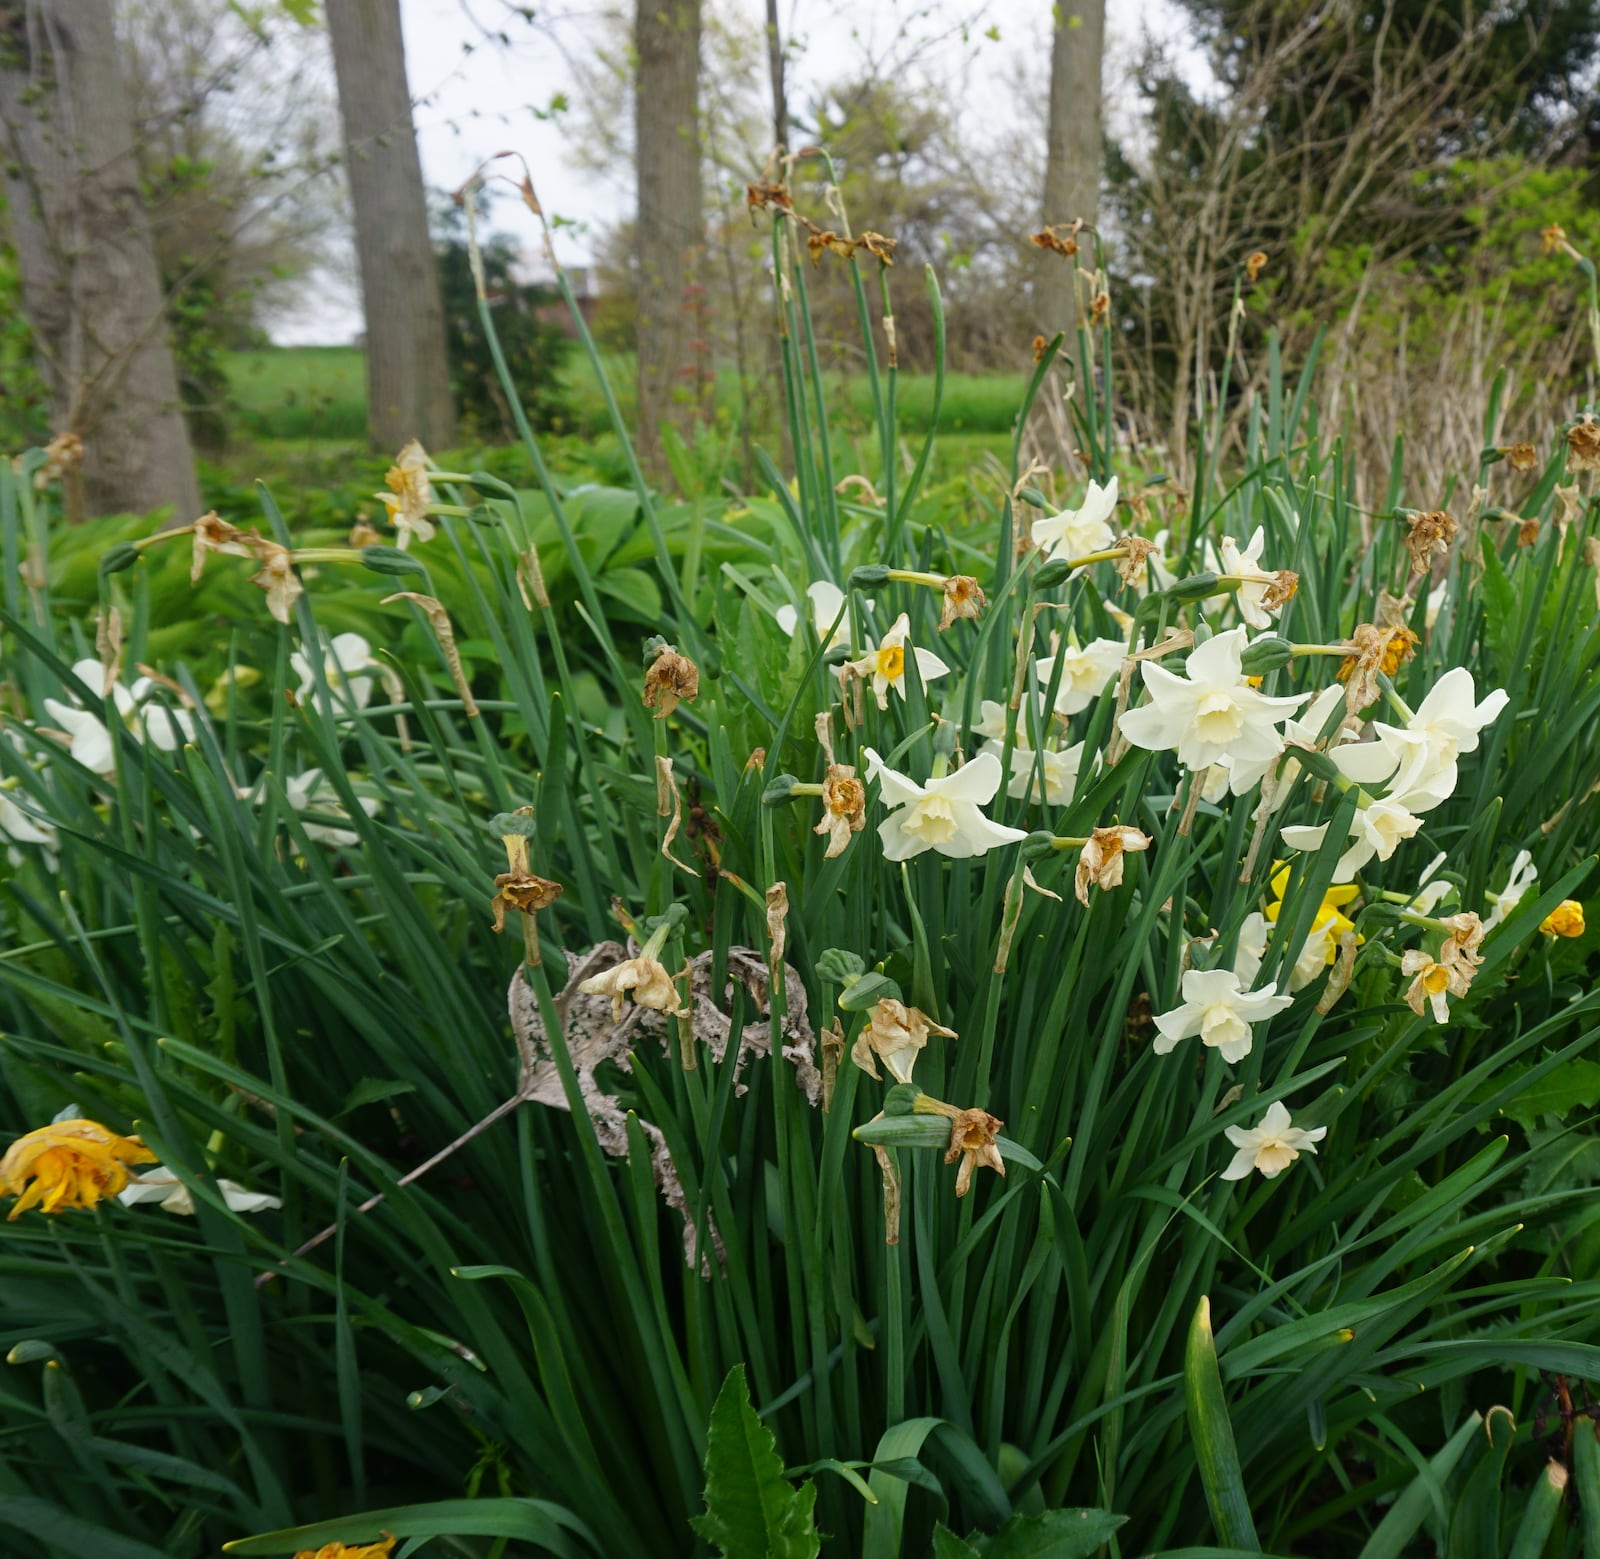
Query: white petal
x=976 y=781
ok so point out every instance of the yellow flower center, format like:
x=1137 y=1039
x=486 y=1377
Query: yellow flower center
x=1435 y=978
x=892 y=662
x=1274 y=1155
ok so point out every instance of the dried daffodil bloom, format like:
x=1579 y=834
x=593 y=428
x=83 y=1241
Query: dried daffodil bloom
x=1255 y=264
x=1461 y=949
x=1061 y=239
x=1131 y=565
x=69 y=1163
x=972 y=1140
x=894 y=1035
x=672 y=679
x=1566 y=919
x=1101 y=862
x=1552 y=239
x=1281 y=591
x=1583 y=444
x=379 y=1550
x=844 y=808
x=643 y=978
x=1528 y=533
x=962 y=598
x=62 y=455
x=524 y=892
x=278 y=578
x=1374 y=650
x=363 y=535
x=410 y=495
x=1429 y=533
x=1522 y=458
x=212 y=533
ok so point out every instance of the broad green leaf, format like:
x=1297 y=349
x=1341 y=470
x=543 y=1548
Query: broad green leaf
x=752 y=1510
x=1057 y=1534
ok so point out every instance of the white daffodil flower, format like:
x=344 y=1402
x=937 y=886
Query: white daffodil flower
x=148 y=720
x=1212 y=714
x=1060 y=772
x=410 y=496
x=1272 y=1146
x=1311 y=960
x=1418 y=760
x=1085 y=672
x=827 y=601
x=1523 y=876
x=1074 y=533
x=164 y=1188
x=943 y=814
x=1218 y=1008
x=1301 y=730
x=307 y=792
x=1431 y=890
x=991 y=722
x=347 y=664
x=1376 y=832
x=18 y=827
x=886 y=664
x=1254 y=582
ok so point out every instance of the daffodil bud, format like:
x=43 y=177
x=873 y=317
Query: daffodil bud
x=390 y=560
x=780 y=789
x=1265 y=654
x=1197 y=587
x=870 y=576
x=840 y=966
x=1052 y=574
x=901 y=1099
x=123 y=555
x=1034 y=498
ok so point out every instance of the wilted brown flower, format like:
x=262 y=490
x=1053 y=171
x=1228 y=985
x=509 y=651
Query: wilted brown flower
x=644 y=978
x=1039 y=345
x=844 y=808
x=1553 y=239
x=1583 y=444
x=524 y=892
x=765 y=196
x=1281 y=591
x=1375 y=650
x=1062 y=239
x=1099 y=307
x=1131 y=565
x=277 y=577
x=1101 y=862
x=1466 y=934
x=62 y=455
x=820 y=240
x=962 y=598
x=1429 y=533
x=972 y=1140
x=1528 y=532
x=894 y=1034
x=1520 y=457
x=879 y=247
x=212 y=533
x=672 y=679
x=363 y=535
x=1255 y=263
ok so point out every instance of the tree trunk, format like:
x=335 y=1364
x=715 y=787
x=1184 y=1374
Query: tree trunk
x=673 y=350
x=408 y=373
x=780 y=93
x=1072 y=157
x=90 y=286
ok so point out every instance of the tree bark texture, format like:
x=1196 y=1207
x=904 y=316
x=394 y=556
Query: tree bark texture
x=1073 y=150
x=90 y=286
x=408 y=372
x=674 y=353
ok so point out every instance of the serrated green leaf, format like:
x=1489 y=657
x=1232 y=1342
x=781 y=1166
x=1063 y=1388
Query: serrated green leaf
x=752 y=1510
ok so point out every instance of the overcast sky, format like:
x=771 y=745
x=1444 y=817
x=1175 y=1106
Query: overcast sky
x=476 y=97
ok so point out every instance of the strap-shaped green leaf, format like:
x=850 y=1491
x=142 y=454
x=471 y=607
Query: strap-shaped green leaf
x=1212 y=1433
